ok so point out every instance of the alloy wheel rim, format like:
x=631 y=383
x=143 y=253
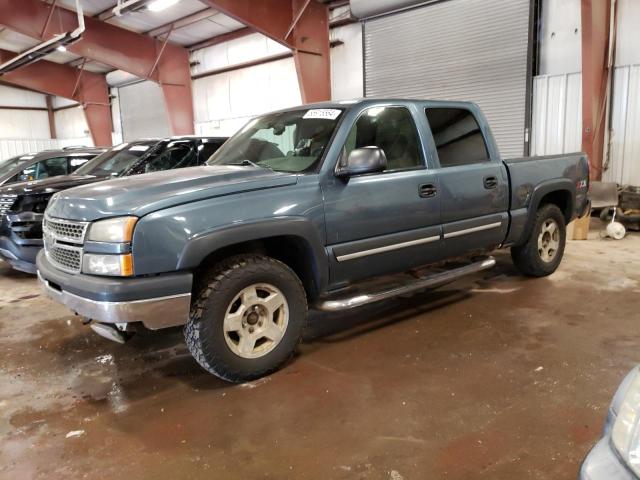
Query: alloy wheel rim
x=548 y=240
x=256 y=320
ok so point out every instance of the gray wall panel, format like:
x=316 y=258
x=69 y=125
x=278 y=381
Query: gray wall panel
x=456 y=50
x=142 y=111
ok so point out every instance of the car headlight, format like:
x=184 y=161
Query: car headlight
x=109 y=265
x=119 y=230
x=625 y=434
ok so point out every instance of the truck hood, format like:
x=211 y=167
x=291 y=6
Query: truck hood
x=143 y=194
x=49 y=185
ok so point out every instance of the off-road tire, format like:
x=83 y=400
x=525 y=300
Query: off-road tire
x=526 y=257
x=204 y=332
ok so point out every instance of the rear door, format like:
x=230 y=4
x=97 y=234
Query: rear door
x=473 y=182
x=388 y=221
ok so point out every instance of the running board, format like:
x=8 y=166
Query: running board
x=434 y=280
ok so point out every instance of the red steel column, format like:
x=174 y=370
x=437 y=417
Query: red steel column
x=302 y=26
x=595 y=16
x=89 y=89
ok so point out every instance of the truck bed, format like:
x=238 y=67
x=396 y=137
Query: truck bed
x=531 y=178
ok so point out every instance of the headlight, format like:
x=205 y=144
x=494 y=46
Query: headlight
x=109 y=265
x=118 y=230
x=626 y=432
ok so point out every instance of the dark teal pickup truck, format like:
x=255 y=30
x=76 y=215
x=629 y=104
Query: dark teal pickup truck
x=321 y=206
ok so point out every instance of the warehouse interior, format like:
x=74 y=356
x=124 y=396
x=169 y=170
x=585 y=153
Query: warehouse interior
x=494 y=375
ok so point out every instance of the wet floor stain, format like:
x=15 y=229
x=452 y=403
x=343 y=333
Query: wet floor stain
x=496 y=376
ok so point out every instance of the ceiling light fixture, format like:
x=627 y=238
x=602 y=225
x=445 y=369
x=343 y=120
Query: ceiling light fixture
x=159 y=5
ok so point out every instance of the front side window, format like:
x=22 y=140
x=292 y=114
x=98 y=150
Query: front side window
x=52 y=167
x=286 y=142
x=392 y=129
x=458 y=138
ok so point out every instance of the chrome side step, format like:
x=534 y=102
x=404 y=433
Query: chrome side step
x=434 y=280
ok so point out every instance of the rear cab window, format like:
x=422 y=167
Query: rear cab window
x=457 y=136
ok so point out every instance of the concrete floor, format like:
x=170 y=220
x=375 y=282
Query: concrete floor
x=496 y=376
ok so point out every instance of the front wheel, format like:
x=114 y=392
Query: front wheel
x=247 y=318
x=542 y=253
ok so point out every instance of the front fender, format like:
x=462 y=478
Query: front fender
x=206 y=243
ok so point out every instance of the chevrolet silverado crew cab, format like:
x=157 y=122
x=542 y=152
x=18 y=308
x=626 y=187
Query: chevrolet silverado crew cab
x=328 y=206
x=22 y=204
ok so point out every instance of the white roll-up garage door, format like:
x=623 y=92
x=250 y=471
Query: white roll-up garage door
x=142 y=111
x=473 y=50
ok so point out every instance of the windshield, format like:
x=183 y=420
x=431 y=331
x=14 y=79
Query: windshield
x=115 y=161
x=7 y=165
x=166 y=155
x=285 y=142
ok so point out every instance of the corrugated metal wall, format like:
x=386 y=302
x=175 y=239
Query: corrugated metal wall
x=346 y=62
x=456 y=49
x=557 y=114
x=623 y=165
x=71 y=123
x=224 y=102
x=10 y=147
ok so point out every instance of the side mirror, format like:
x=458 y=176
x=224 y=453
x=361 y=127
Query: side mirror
x=362 y=160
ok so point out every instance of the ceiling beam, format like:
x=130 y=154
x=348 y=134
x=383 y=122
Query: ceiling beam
x=135 y=53
x=301 y=25
x=89 y=89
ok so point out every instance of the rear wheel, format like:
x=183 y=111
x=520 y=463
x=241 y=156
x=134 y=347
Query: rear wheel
x=247 y=318
x=542 y=253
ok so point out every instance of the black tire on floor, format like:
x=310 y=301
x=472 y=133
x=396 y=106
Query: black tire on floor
x=205 y=335
x=527 y=257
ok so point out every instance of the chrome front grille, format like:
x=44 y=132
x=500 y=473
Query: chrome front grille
x=6 y=202
x=66 y=230
x=66 y=258
x=63 y=240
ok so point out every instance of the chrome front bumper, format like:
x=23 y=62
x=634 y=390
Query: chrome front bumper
x=154 y=313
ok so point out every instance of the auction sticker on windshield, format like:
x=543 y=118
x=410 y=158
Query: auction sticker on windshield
x=326 y=113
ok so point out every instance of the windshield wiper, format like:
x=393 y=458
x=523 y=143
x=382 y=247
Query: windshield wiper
x=246 y=163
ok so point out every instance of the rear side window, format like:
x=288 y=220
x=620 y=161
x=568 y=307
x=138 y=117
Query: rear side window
x=392 y=129
x=458 y=138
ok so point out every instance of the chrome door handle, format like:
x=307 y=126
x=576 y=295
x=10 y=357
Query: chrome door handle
x=427 y=190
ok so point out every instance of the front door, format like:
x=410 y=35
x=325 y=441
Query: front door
x=474 y=186
x=382 y=222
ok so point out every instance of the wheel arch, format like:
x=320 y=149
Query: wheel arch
x=559 y=192
x=293 y=241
